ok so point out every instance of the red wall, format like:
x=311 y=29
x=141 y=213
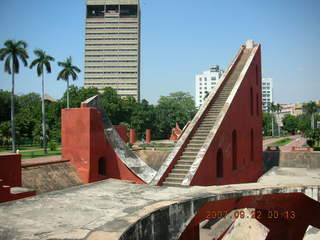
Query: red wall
x=10 y=176
x=84 y=143
x=286 y=215
x=238 y=118
x=10 y=170
x=123 y=132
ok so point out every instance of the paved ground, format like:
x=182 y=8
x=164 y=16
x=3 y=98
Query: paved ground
x=298 y=141
x=104 y=210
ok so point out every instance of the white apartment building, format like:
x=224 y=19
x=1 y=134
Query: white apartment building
x=205 y=83
x=267 y=93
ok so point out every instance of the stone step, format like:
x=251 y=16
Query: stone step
x=190 y=150
x=185 y=162
x=182 y=171
x=167 y=184
x=189 y=154
x=174 y=180
x=182 y=166
x=195 y=145
x=177 y=175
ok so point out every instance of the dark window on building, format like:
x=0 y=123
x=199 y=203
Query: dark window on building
x=95 y=11
x=102 y=167
x=112 y=8
x=234 y=150
x=219 y=163
x=257 y=104
x=128 y=11
x=251 y=145
x=251 y=101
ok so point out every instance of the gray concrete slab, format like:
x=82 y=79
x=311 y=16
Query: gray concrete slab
x=106 y=209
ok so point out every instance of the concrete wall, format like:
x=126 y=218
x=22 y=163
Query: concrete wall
x=291 y=159
x=84 y=143
x=50 y=177
x=300 y=159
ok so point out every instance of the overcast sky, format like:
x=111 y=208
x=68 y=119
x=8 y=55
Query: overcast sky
x=180 y=38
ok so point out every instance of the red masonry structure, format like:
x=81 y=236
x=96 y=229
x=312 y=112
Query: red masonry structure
x=132 y=136
x=148 y=136
x=85 y=145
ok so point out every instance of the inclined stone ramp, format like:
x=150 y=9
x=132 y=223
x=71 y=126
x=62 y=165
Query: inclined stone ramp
x=189 y=154
x=194 y=143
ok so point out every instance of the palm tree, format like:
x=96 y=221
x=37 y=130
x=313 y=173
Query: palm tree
x=42 y=60
x=278 y=109
x=311 y=108
x=68 y=70
x=272 y=108
x=13 y=52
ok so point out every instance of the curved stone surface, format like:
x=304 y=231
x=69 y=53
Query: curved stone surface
x=132 y=161
x=114 y=209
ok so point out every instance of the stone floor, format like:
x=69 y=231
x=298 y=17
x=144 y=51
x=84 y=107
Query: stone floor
x=108 y=207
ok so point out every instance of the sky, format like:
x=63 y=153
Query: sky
x=179 y=39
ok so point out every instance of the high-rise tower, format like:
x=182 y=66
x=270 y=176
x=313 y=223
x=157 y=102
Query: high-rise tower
x=112 y=46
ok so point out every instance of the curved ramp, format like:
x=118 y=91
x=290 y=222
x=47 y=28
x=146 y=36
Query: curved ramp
x=131 y=160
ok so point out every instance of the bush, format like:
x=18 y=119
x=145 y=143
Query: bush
x=310 y=142
x=52 y=146
x=316 y=148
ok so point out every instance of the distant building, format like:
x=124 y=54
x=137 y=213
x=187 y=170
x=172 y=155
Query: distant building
x=206 y=82
x=112 y=46
x=267 y=93
x=48 y=98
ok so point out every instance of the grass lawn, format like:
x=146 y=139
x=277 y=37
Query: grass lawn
x=35 y=154
x=281 y=142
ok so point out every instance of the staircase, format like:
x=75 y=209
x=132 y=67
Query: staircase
x=182 y=166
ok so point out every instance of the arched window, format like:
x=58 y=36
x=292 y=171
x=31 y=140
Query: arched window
x=257 y=75
x=234 y=150
x=257 y=104
x=102 y=166
x=251 y=145
x=220 y=163
x=251 y=101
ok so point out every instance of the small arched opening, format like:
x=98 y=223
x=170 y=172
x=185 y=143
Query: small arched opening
x=102 y=166
x=219 y=163
x=234 y=150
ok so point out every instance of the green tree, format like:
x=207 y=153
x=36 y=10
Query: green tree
x=67 y=71
x=311 y=108
x=42 y=60
x=27 y=116
x=178 y=108
x=290 y=123
x=78 y=95
x=112 y=104
x=143 y=117
x=12 y=52
x=4 y=105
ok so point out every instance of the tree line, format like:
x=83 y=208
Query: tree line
x=305 y=123
x=178 y=108
x=15 y=51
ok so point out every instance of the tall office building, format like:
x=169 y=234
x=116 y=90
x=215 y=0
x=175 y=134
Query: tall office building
x=112 y=46
x=267 y=93
x=205 y=83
